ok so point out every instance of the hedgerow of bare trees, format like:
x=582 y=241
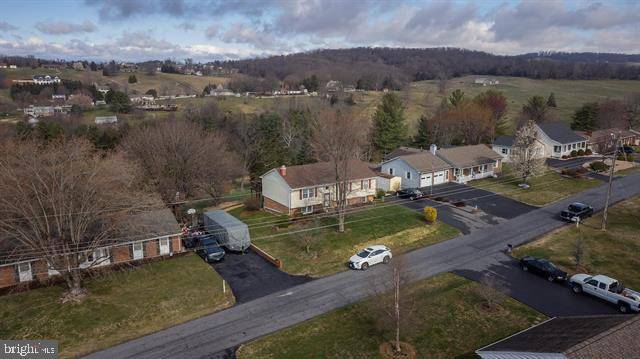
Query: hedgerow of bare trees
x=181 y=159
x=61 y=201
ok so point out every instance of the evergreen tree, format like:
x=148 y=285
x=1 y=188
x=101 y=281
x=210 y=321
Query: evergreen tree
x=586 y=117
x=389 y=128
x=423 y=136
x=132 y=79
x=536 y=109
x=551 y=101
x=456 y=98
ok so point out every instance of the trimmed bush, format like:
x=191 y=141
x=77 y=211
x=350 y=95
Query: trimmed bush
x=581 y=152
x=564 y=157
x=379 y=193
x=599 y=166
x=252 y=204
x=574 y=153
x=430 y=214
x=588 y=152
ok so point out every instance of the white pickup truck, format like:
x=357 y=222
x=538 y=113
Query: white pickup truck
x=608 y=289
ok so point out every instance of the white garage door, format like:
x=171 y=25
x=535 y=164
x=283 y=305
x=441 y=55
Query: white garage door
x=425 y=180
x=439 y=177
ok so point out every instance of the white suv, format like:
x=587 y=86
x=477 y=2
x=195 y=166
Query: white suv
x=370 y=256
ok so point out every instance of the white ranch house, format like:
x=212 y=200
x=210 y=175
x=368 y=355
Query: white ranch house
x=556 y=140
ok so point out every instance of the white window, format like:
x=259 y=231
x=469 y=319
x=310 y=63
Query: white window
x=138 y=253
x=505 y=151
x=307 y=210
x=24 y=272
x=556 y=148
x=408 y=175
x=573 y=146
x=308 y=193
x=365 y=184
x=391 y=171
x=164 y=246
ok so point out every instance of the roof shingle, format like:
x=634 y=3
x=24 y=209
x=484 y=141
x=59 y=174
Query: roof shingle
x=323 y=173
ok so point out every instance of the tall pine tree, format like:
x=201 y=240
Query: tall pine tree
x=586 y=117
x=389 y=128
x=423 y=137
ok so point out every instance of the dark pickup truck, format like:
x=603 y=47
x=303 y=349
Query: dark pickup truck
x=576 y=212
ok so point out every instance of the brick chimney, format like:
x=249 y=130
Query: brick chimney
x=283 y=170
x=433 y=148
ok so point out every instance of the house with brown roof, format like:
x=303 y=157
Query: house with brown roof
x=578 y=337
x=146 y=235
x=471 y=162
x=417 y=167
x=602 y=141
x=310 y=188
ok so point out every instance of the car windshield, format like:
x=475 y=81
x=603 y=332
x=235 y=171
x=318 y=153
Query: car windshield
x=575 y=208
x=363 y=254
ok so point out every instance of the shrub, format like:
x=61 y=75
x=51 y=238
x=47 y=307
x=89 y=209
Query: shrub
x=620 y=157
x=379 y=193
x=573 y=153
x=564 y=157
x=430 y=214
x=252 y=204
x=581 y=152
x=599 y=166
x=588 y=152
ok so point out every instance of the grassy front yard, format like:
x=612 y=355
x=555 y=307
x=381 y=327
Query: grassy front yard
x=613 y=253
x=545 y=189
x=121 y=306
x=398 y=227
x=450 y=321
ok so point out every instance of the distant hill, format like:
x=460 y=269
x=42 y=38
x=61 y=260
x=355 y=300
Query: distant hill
x=390 y=67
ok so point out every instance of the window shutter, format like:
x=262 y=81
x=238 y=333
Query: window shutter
x=350 y=186
x=315 y=192
x=300 y=193
x=369 y=183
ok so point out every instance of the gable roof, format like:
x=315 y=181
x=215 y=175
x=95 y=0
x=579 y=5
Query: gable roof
x=322 y=173
x=559 y=132
x=506 y=141
x=425 y=161
x=571 y=336
x=465 y=156
x=401 y=151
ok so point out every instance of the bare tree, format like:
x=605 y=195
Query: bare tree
x=525 y=156
x=339 y=139
x=178 y=156
x=578 y=251
x=61 y=202
x=489 y=290
x=309 y=237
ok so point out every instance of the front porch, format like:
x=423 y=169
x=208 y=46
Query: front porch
x=464 y=175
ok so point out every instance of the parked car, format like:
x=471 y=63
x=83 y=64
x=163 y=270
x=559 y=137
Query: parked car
x=625 y=149
x=411 y=193
x=210 y=250
x=543 y=267
x=608 y=289
x=576 y=212
x=370 y=256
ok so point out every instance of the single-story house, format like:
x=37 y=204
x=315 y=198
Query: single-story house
x=556 y=139
x=46 y=80
x=417 y=167
x=471 y=162
x=146 y=235
x=578 y=337
x=309 y=188
x=602 y=141
x=503 y=145
x=104 y=120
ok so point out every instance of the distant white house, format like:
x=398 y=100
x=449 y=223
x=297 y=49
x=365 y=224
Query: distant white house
x=219 y=90
x=556 y=140
x=46 y=80
x=44 y=111
x=484 y=81
x=104 y=120
x=59 y=97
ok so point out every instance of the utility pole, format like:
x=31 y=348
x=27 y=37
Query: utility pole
x=613 y=165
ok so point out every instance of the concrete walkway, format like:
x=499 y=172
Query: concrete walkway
x=214 y=333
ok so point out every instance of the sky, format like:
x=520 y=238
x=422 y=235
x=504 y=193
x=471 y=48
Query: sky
x=206 y=30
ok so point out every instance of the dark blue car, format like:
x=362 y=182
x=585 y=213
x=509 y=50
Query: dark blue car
x=209 y=249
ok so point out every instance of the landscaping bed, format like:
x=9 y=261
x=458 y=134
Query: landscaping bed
x=395 y=226
x=449 y=321
x=121 y=306
x=544 y=189
x=613 y=253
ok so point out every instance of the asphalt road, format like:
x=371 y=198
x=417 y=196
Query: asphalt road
x=214 y=333
x=251 y=276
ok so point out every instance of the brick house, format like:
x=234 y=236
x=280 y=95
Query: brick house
x=309 y=188
x=147 y=235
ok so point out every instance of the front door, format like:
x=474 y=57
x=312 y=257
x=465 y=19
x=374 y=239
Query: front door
x=326 y=199
x=164 y=246
x=137 y=251
x=24 y=272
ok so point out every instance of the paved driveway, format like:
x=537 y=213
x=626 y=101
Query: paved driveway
x=573 y=162
x=551 y=299
x=251 y=276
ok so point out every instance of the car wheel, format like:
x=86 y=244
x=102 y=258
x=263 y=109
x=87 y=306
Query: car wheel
x=386 y=259
x=525 y=268
x=551 y=278
x=576 y=288
x=364 y=266
x=623 y=308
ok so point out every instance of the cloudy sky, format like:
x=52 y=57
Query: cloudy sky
x=230 y=29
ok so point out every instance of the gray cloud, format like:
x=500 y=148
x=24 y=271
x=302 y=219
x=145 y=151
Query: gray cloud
x=186 y=26
x=5 y=26
x=211 y=31
x=63 y=28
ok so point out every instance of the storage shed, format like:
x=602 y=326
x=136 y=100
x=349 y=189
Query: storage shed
x=230 y=232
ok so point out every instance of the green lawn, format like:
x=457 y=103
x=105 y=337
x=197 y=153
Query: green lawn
x=450 y=320
x=613 y=253
x=398 y=227
x=547 y=188
x=121 y=306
